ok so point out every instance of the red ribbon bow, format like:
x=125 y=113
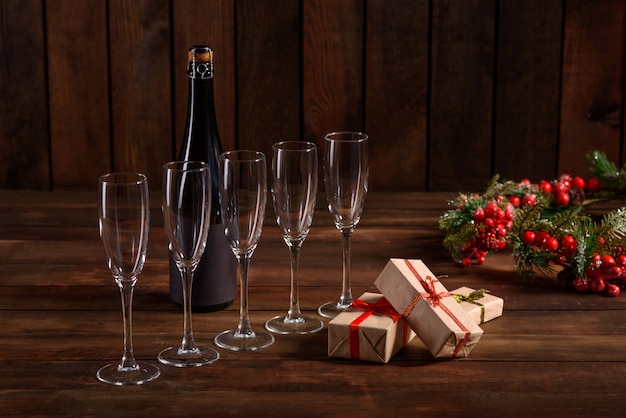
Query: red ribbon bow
x=382 y=306
x=431 y=294
x=434 y=299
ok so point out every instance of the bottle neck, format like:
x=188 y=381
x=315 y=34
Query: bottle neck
x=201 y=97
x=201 y=138
x=201 y=141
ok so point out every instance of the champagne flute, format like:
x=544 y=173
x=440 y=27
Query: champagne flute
x=346 y=171
x=186 y=213
x=124 y=223
x=294 y=189
x=243 y=183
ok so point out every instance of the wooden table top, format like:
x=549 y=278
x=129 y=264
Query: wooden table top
x=554 y=352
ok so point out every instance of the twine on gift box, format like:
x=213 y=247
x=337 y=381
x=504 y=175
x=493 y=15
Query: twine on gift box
x=472 y=298
x=434 y=299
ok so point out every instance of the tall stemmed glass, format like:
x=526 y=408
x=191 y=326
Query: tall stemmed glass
x=124 y=221
x=243 y=194
x=186 y=212
x=346 y=170
x=294 y=189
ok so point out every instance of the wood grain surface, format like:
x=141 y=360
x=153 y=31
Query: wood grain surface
x=451 y=92
x=554 y=352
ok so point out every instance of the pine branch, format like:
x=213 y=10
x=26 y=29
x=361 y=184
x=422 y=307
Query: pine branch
x=586 y=236
x=526 y=218
x=606 y=172
x=564 y=222
x=613 y=227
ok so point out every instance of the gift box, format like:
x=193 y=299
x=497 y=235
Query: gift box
x=480 y=304
x=429 y=309
x=370 y=330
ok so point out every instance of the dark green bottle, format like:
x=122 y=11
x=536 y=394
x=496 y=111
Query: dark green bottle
x=214 y=284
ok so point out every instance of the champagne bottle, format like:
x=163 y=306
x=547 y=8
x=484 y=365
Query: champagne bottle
x=214 y=284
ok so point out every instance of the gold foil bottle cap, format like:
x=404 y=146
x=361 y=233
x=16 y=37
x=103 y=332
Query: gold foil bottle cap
x=200 y=62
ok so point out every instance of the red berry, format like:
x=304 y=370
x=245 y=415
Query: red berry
x=597 y=285
x=593 y=185
x=613 y=290
x=561 y=199
x=528 y=238
x=615 y=272
x=551 y=244
x=466 y=262
x=509 y=213
x=529 y=199
x=480 y=260
x=569 y=243
x=479 y=215
x=491 y=210
x=581 y=284
x=560 y=187
x=608 y=261
x=515 y=200
x=565 y=177
x=545 y=186
x=620 y=261
x=592 y=272
x=600 y=241
x=541 y=237
x=578 y=182
x=596 y=258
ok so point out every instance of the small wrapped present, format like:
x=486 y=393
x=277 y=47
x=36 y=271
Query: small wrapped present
x=480 y=304
x=430 y=310
x=370 y=329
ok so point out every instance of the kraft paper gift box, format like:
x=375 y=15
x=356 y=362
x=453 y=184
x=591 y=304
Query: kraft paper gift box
x=480 y=304
x=369 y=330
x=439 y=321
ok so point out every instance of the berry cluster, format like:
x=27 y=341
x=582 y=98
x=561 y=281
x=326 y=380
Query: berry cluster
x=547 y=226
x=601 y=274
x=541 y=240
x=562 y=192
x=492 y=224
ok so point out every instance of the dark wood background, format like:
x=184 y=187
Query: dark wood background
x=450 y=91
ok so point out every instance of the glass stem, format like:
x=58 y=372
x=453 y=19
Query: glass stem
x=126 y=291
x=244 y=329
x=294 y=312
x=346 y=290
x=188 y=343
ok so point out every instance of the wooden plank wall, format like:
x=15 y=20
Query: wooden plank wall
x=450 y=91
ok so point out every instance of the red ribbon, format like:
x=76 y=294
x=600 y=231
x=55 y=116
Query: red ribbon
x=382 y=306
x=434 y=299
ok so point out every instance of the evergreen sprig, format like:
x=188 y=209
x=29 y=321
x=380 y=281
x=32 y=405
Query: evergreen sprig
x=606 y=172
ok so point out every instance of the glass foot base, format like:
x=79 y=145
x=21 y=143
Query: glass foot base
x=301 y=325
x=235 y=341
x=113 y=374
x=331 y=309
x=200 y=356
